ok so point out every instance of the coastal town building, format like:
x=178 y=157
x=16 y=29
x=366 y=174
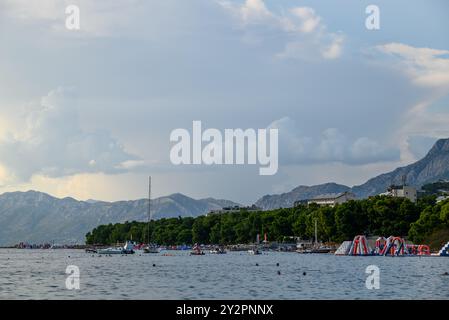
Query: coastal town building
x=232 y=209
x=329 y=199
x=402 y=192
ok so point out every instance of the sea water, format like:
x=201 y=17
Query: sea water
x=41 y=274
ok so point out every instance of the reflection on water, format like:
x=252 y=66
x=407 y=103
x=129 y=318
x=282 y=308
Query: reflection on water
x=40 y=274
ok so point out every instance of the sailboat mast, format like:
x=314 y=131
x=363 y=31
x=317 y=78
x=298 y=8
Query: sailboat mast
x=316 y=232
x=149 y=209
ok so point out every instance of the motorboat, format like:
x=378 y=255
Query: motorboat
x=111 y=250
x=254 y=251
x=128 y=248
x=218 y=250
x=151 y=249
x=315 y=249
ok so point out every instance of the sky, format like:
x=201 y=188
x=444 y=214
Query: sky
x=88 y=113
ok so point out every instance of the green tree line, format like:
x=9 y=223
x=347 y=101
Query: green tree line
x=374 y=216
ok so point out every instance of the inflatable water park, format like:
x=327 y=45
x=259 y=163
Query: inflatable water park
x=391 y=246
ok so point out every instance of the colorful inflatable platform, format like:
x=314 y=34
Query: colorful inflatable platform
x=444 y=252
x=391 y=246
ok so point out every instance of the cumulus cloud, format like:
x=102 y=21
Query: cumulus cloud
x=250 y=12
x=53 y=143
x=428 y=69
x=331 y=146
x=309 y=20
x=305 y=34
x=426 y=66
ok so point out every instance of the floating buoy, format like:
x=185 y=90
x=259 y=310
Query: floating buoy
x=257 y=264
x=154 y=265
x=277 y=264
x=304 y=273
x=279 y=273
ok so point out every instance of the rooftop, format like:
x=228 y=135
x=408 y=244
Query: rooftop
x=329 y=196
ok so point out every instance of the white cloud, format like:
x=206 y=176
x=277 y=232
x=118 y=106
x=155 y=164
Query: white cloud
x=309 y=21
x=251 y=12
x=53 y=143
x=130 y=164
x=306 y=36
x=426 y=66
x=335 y=48
x=419 y=121
x=332 y=146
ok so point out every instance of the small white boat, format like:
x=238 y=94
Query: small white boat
x=254 y=251
x=151 y=249
x=217 y=251
x=111 y=251
x=128 y=248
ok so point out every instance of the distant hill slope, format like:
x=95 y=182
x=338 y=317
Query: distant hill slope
x=433 y=167
x=37 y=217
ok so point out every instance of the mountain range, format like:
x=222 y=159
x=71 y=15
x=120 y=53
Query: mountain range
x=37 y=217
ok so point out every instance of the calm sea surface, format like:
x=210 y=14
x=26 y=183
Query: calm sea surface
x=40 y=274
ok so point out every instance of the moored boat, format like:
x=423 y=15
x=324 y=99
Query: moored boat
x=111 y=251
x=254 y=251
x=196 y=250
x=128 y=248
x=151 y=249
x=218 y=250
x=320 y=249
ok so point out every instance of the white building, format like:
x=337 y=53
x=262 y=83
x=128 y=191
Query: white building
x=402 y=192
x=331 y=199
x=233 y=209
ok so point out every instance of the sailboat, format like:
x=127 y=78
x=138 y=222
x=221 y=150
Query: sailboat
x=149 y=248
x=315 y=248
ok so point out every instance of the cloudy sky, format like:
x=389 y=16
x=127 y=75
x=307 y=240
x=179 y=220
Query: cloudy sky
x=88 y=113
